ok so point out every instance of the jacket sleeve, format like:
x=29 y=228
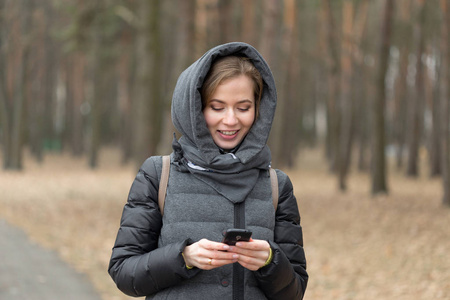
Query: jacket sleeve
x=137 y=265
x=285 y=277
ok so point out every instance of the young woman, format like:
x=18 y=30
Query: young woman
x=223 y=105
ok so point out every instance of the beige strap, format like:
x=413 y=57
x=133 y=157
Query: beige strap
x=274 y=185
x=163 y=182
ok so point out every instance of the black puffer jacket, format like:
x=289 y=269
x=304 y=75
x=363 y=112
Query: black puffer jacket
x=201 y=203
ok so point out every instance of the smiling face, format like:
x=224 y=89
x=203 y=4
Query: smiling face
x=230 y=111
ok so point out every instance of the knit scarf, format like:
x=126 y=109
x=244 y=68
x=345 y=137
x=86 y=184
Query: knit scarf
x=225 y=173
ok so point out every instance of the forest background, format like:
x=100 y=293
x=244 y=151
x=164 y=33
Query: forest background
x=362 y=96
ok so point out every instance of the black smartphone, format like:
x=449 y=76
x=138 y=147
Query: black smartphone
x=234 y=235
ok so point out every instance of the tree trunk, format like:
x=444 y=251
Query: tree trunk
x=400 y=107
x=271 y=14
x=36 y=106
x=201 y=30
x=378 y=158
x=13 y=107
x=16 y=142
x=124 y=98
x=436 y=135
x=364 y=96
x=352 y=34
x=290 y=104
x=445 y=102
x=157 y=101
x=78 y=73
x=333 y=119
x=183 y=55
x=346 y=105
x=226 y=21
x=148 y=104
x=249 y=22
x=96 y=102
x=48 y=84
x=416 y=108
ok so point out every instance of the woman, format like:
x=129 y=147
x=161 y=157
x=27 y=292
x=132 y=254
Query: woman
x=223 y=105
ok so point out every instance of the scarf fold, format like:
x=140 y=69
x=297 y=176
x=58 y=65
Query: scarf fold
x=226 y=174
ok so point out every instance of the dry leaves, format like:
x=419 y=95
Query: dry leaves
x=358 y=247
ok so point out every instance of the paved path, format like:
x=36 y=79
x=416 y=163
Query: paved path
x=28 y=271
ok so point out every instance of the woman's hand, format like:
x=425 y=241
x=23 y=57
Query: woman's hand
x=252 y=254
x=208 y=255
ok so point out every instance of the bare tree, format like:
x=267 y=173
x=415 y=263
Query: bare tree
x=15 y=45
x=434 y=144
x=445 y=102
x=289 y=105
x=416 y=108
x=379 y=184
x=147 y=93
x=333 y=120
x=271 y=12
x=249 y=22
x=226 y=20
x=352 y=33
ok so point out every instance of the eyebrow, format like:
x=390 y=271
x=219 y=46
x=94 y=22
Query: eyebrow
x=239 y=102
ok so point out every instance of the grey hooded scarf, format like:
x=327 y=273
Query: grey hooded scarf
x=197 y=147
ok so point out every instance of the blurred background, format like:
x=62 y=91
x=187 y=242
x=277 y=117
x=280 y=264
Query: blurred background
x=362 y=125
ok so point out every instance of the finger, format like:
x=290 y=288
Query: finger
x=254 y=245
x=211 y=263
x=223 y=255
x=210 y=245
x=250 y=263
x=261 y=255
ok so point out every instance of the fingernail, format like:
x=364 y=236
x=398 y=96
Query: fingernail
x=238 y=244
x=235 y=256
x=226 y=247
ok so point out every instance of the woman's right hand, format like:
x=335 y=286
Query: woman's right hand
x=208 y=255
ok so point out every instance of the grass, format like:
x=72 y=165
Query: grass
x=358 y=247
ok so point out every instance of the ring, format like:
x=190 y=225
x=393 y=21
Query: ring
x=210 y=261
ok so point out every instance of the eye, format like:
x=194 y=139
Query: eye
x=215 y=108
x=244 y=108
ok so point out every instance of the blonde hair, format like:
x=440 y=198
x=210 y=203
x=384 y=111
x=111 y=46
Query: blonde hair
x=229 y=67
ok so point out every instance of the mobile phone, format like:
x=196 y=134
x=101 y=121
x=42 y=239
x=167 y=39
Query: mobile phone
x=234 y=235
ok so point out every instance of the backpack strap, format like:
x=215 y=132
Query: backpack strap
x=163 y=182
x=165 y=179
x=274 y=185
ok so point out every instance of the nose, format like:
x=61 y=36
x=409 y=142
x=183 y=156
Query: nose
x=230 y=118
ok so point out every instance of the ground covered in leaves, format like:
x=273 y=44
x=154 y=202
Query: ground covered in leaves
x=357 y=246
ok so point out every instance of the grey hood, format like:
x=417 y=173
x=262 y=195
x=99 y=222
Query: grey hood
x=196 y=146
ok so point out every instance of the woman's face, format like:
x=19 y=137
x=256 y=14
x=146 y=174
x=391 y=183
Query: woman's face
x=230 y=111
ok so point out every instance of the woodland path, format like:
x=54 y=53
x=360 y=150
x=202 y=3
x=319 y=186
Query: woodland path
x=28 y=271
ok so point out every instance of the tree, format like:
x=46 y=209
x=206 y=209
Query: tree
x=416 y=108
x=147 y=94
x=102 y=60
x=15 y=47
x=352 y=33
x=403 y=38
x=285 y=130
x=445 y=102
x=333 y=120
x=379 y=184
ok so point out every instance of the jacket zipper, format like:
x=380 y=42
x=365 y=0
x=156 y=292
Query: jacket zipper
x=238 y=270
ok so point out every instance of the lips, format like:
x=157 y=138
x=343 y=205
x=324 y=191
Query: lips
x=228 y=132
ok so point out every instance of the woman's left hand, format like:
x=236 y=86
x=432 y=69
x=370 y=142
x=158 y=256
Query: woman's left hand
x=252 y=254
